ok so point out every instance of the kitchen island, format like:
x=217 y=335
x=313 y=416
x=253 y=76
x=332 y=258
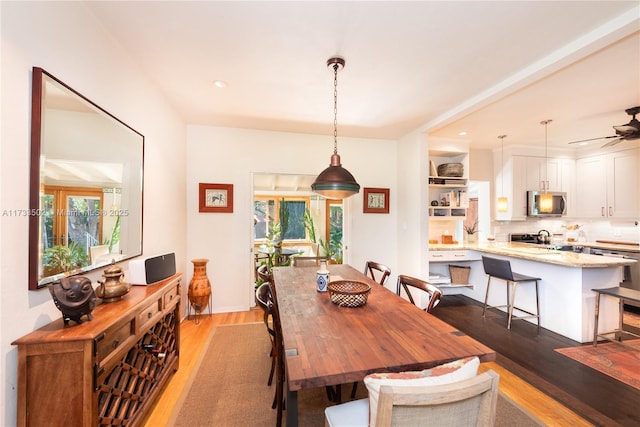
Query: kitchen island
x=567 y=302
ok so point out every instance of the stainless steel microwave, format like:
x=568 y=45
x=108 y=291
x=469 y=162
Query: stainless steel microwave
x=558 y=208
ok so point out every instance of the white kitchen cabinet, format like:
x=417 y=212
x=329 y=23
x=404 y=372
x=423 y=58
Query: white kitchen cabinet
x=509 y=181
x=542 y=175
x=524 y=173
x=608 y=185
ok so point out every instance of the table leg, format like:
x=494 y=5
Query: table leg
x=292 y=408
x=595 y=322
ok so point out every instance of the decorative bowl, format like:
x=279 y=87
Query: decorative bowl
x=348 y=293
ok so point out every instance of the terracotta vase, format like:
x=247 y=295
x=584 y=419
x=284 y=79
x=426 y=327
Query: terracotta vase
x=199 y=286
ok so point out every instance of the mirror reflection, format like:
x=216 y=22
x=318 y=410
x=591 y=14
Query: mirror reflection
x=86 y=184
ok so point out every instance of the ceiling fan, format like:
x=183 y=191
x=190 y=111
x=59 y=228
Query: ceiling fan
x=627 y=132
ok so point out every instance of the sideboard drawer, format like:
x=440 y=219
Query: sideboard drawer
x=111 y=339
x=149 y=313
x=171 y=297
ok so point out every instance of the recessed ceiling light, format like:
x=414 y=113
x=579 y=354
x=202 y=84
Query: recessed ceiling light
x=219 y=83
x=463 y=133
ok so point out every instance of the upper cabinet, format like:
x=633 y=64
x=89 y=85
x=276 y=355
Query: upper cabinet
x=516 y=174
x=608 y=185
x=541 y=174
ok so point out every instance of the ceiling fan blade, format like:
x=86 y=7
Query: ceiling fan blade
x=594 y=139
x=612 y=143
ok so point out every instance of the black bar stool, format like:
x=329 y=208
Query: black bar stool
x=501 y=269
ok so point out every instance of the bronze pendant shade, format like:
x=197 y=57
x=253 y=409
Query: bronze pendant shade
x=335 y=182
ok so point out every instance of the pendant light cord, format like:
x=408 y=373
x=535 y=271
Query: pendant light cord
x=335 y=108
x=502 y=137
x=545 y=184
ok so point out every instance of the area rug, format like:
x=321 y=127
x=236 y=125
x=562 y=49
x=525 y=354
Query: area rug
x=228 y=387
x=612 y=359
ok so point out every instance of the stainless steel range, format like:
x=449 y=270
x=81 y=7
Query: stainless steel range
x=543 y=237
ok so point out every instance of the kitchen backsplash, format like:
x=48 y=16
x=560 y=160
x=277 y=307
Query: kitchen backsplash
x=626 y=231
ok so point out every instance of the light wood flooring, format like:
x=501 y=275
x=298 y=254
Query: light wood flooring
x=194 y=336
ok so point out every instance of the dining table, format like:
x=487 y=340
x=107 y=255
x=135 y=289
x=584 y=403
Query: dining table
x=326 y=344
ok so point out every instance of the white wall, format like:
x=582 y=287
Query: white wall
x=413 y=220
x=231 y=156
x=66 y=40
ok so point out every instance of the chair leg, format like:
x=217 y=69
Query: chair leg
x=486 y=297
x=511 y=302
x=273 y=367
x=538 y=306
x=354 y=389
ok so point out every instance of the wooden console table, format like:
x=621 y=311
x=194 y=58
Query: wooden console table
x=103 y=372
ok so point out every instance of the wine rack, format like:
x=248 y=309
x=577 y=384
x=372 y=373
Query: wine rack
x=103 y=372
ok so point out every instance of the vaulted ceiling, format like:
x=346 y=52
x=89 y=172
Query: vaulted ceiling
x=486 y=68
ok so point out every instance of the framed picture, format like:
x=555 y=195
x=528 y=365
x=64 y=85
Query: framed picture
x=215 y=197
x=376 y=200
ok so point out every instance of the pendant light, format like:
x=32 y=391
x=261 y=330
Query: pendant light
x=335 y=182
x=503 y=202
x=546 y=199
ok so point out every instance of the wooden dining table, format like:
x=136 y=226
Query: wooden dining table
x=327 y=345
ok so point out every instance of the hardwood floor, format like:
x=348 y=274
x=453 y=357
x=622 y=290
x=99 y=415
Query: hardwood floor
x=530 y=355
x=194 y=336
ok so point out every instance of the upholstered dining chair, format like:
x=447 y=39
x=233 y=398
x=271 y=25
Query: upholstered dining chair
x=468 y=402
x=407 y=282
x=378 y=272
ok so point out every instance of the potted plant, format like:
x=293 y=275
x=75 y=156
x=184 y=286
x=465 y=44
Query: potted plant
x=59 y=259
x=471 y=231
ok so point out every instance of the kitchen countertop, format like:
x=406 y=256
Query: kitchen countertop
x=541 y=254
x=609 y=246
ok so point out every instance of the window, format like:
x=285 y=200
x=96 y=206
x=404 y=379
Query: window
x=72 y=217
x=267 y=210
x=334 y=229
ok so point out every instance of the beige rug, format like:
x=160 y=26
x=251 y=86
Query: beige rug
x=228 y=387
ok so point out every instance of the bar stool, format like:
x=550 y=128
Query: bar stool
x=501 y=269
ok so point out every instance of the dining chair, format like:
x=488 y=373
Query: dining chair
x=278 y=354
x=264 y=301
x=501 y=269
x=406 y=282
x=305 y=261
x=373 y=269
x=469 y=402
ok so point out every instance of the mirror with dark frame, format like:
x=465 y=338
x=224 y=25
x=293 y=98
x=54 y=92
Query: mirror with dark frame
x=85 y=207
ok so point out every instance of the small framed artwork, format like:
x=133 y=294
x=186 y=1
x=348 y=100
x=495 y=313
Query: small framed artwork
x=376 y=200
x=215 y=197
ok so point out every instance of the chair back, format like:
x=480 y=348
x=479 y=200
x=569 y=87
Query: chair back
x=264 y=301
x=263 y=273
x=278 y=353
x=470 y=402
x=373 y=269
x=305 y=261
x=406 y=282
x=500 y=268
